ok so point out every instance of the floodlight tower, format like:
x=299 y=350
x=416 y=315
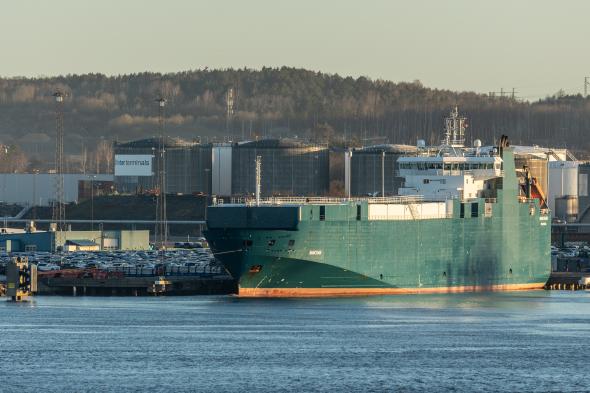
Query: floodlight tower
x=161 y=232
x=59 y=208
x=229 y=110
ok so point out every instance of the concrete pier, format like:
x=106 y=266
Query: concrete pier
x=138 y=286
x=573 y=281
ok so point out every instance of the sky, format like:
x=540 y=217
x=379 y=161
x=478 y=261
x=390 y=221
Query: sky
x=536 y=47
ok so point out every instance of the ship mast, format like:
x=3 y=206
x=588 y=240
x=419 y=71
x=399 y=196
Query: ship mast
x=455 y=126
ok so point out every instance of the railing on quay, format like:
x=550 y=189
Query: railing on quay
x=134 y=271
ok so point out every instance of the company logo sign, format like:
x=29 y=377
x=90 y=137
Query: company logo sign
x=133 y=165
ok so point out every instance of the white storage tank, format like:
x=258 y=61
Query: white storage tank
x=563 y=180
x=566 y=208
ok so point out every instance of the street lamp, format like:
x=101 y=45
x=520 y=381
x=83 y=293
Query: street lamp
x=92 y=177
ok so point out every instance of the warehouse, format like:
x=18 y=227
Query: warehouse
x=20 y=241
x=28 y=189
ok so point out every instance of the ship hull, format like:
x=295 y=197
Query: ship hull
x=377 y=258
x=345 y=250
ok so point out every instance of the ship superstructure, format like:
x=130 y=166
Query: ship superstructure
x=462 y=222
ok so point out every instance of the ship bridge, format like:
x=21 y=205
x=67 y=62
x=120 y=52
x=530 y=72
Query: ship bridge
x=451 y=170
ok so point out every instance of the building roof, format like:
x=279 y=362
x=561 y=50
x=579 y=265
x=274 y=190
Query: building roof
x=388 y=148
x=170 y=142
x=276 y=143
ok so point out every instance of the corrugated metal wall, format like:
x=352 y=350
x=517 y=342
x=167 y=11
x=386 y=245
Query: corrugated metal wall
x=291 y=170
x=28 y=188
x=366 y=173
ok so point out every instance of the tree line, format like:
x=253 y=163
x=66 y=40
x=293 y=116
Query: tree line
x=271 y=102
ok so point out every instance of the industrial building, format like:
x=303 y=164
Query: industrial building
x=20 y=241
x=187 y=166
x=288 y=167
x=583 y=195
x=556 y=174
x=28 y=189
x=372 y=170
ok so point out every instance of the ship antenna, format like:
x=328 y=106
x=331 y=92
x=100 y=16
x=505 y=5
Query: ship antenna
x=455 y=129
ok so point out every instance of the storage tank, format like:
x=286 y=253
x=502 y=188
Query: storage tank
x=563 y=180
x=290 y=167
x=372 y=166
x=566 y=208
x=538 y=167
x=188 y=166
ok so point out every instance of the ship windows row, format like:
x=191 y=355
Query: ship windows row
x=447 y=166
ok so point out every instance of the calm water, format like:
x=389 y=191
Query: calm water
x=535 y=341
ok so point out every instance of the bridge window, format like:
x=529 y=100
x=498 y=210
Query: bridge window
x=322 y=213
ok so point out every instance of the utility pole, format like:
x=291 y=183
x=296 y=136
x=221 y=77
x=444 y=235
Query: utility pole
x=59 y=208
x=383 y=173
x=258 y=178
x=161 y=232
x=586 y=84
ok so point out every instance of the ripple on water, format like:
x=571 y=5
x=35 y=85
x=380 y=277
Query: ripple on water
x=499 y=342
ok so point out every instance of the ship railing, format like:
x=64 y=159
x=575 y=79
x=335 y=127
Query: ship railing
x=478 y=173
x=248 y=201
x=410 y=217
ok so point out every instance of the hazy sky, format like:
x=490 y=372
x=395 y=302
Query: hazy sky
x=536 y=46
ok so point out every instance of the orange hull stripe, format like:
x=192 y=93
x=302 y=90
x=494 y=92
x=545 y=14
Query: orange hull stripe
x=333 y=292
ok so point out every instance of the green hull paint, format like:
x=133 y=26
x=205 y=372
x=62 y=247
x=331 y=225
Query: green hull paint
x=266 y=247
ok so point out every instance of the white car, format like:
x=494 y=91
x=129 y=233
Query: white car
x=46 y=267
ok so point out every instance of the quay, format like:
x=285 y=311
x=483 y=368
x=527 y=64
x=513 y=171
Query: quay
x=568 y=281
x=100 y=283
x=137 y=286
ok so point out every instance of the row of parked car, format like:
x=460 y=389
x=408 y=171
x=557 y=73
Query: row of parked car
x=571 y=251
x=193 y=260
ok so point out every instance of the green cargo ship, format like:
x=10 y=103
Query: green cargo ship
x=463 y=222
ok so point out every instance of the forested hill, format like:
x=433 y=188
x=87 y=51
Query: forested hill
x=272 y=102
